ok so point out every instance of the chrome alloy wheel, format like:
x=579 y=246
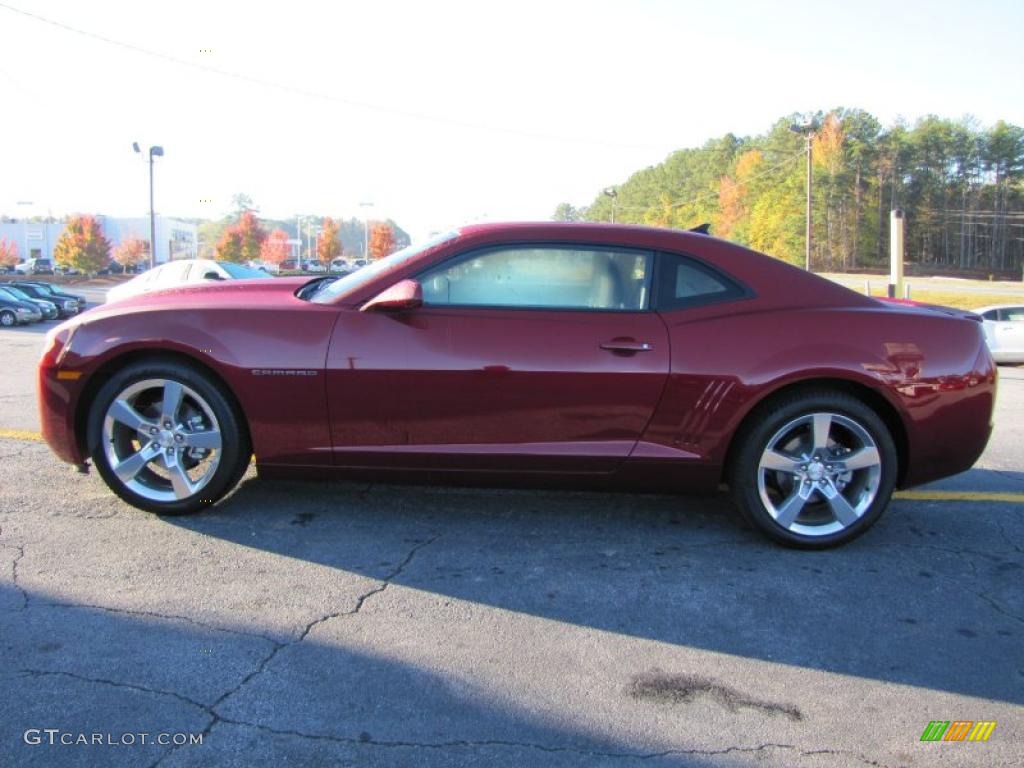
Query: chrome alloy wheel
x=162 y=440
x=819 y=474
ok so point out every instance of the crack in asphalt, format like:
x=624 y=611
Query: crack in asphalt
x=1007 y=537
x=858 y=755
x=991 y=602
x=14 y=573
x=216 y=719
x=115 y=684
x=211 y=710
x=471 y=743
x=156 y=614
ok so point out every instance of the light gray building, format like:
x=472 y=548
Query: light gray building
x=175 y=239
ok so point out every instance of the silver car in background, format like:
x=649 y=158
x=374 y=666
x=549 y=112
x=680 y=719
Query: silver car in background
x=1004 y=331
x=183 y=272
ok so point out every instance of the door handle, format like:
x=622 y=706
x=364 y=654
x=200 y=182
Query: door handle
x=626 y=345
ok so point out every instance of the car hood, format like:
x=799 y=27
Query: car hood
x=229 y=294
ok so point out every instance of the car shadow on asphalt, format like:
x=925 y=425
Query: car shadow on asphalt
x=85 y=669
x=929 y=597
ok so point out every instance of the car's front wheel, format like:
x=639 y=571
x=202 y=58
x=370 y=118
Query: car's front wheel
x=165 y=438
x=814 y=470
x=8 y=319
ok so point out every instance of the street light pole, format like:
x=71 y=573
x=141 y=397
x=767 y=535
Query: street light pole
x=154 y=151
x=808 y=132
x=366 y=232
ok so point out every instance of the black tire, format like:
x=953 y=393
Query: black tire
x=203 y=398
x=8 y=319
x=789 y=426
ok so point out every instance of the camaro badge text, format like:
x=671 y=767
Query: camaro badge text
x=282 y=372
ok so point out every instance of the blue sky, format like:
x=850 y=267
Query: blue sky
x=447 y=112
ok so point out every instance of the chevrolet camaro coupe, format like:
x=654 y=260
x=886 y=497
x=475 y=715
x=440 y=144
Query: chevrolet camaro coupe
x=626 y=357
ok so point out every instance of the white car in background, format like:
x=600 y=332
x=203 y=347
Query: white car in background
x=1004 y=331
x=183 y=272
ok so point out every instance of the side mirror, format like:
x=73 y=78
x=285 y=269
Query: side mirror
x=405 y=294
x=211 y=275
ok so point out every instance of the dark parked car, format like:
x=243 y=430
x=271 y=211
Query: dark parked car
x=520 y=353
x=42 y=267
x=47 y=309
x=13 y=311
x=67 y=304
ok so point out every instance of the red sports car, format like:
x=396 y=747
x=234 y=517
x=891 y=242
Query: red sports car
x=523 y=353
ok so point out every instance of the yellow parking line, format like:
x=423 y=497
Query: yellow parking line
x=1011 y=498
x=21 y=434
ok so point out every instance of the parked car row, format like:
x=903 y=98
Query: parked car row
x=23 y=302
x=30 y=267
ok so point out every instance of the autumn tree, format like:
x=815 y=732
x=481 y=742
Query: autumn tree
x=8 y=252
x=131 y=251
x=243 y=240
x=275 y=248
x=328 y=243
x=567 y=212
x=382 y=240
x=82 y=245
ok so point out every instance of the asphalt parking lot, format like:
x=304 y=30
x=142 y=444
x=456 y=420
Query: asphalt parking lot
x=358 y=624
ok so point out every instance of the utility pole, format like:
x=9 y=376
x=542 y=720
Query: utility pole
x=810 y=207
x=807 y=130
x=614 y=195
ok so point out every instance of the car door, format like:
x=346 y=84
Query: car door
x=522 y=358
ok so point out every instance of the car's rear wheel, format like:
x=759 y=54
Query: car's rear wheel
x=8 y=319
x=814 y=470
x=165 y=438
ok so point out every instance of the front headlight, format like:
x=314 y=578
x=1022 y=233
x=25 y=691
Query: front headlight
x=70 y=304
x=57 y=344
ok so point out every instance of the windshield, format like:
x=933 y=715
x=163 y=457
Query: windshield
x=363 y=275
x=19 y=295
x=240 y=272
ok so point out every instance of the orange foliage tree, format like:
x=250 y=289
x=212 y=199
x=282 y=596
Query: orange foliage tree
x=8 y=252
x=275 y=248
x=734 y=194
x=328 y=244
x=131 y=251
x=243 y=240
x=382 y=240
x=82 y=245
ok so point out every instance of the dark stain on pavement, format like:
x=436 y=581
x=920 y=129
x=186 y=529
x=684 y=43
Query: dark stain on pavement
x=667 y=688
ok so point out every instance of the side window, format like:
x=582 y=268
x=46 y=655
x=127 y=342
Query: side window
x=684 y=282
x=1014 y=314
x=556 y=277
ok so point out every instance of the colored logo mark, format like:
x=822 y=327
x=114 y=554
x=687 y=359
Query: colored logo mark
x=958 y=730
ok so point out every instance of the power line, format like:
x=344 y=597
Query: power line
x=305 y=92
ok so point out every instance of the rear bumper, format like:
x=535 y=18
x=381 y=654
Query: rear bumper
x=952 y=423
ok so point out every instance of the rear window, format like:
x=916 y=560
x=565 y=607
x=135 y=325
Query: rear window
x=684 y=282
